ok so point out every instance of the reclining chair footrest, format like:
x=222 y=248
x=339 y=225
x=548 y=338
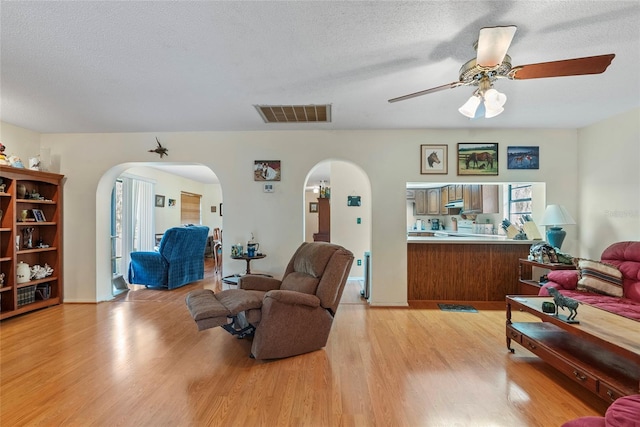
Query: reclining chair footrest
x=206 y=310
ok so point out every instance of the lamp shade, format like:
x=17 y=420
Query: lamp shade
x=556 y=215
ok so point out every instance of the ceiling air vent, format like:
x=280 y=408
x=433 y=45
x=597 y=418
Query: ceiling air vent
x=295 y=113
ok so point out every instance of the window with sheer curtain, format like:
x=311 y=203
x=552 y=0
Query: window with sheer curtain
x=190 y=208
x=132 y=219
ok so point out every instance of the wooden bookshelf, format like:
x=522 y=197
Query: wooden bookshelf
x=25 y=191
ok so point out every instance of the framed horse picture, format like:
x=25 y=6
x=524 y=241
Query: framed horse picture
x=433 y=159
x=477 y=158
x=523 y=157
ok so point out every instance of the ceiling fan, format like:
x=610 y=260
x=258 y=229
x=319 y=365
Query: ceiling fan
x=492 y=63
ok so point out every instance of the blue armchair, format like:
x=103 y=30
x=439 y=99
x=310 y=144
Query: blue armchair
x=179 y=260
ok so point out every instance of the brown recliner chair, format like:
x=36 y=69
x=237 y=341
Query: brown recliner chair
x=285 y=317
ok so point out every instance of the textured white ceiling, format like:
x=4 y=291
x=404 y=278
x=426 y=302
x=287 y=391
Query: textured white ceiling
x=105 y=66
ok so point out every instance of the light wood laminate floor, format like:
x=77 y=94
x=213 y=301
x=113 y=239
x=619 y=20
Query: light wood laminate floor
x=140 y=361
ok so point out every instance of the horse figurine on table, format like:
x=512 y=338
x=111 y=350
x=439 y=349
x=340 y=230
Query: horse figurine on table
x=564 y=302
x=433 y=158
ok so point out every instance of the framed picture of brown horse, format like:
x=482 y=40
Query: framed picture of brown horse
x=433 y=159
x=477 y=158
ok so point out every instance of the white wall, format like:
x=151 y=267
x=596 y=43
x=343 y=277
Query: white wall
x=347 y=180
x=171 y=186
x=609 y=183
x=20 y=142
x=310 y=218
x=390 y=158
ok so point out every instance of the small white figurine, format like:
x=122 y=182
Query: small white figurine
x=34 y=163
x=15 y=162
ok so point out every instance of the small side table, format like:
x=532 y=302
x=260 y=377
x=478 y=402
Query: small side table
x=231 y=280
x=529 y=286
x=248 y=259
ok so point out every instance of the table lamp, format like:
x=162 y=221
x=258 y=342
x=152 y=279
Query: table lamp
x=555 y=216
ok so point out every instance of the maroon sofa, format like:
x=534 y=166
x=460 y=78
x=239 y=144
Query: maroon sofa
x=624 y=412
x=625 y=257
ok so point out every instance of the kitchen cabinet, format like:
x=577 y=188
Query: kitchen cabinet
x=30 y=234
x=472 y=198
x=458 y=192
x=433 y=201
x=476 y=197
x=451 y=193
x=490 y=199
x=480 y=198
x=420 y=204
x=455 y=192
x=427 y=201
x=444 y=199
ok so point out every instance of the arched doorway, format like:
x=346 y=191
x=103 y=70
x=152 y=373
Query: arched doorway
x=350 y=209
x=168 y=181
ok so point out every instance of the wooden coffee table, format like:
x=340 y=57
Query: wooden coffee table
x=602 y=352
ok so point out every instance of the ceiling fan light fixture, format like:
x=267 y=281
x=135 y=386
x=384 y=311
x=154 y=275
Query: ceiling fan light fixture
x=469 y=108
x=492 y=110
x=493 y=103
x=493 y=97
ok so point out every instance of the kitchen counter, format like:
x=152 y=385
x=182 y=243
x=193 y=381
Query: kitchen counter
x=463 y=268
x=448 y=236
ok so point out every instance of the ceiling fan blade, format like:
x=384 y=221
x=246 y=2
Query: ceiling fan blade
x=567 y=67
x=425 y=92
x=493 y=44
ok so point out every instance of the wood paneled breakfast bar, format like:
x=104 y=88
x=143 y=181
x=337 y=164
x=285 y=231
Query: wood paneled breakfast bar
x=463 y=268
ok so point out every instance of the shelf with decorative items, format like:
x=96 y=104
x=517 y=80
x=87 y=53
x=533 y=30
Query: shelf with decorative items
x=530 y=286
x=30 y=240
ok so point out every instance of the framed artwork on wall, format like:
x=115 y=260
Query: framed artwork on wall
x=354 y=201
x=266 y=170
x=159 y=201
x=313 y=207
x=172 y=203
x=477 y=158
x=434 y=159
x=523 y=157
